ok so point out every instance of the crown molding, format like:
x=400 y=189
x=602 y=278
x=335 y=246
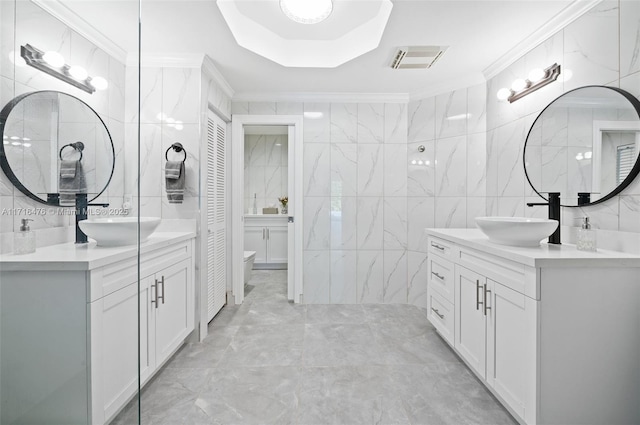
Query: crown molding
x=449 y=86
x=166 y=60
x=567 y=15
x=71 y=19
x=210 y=70
x=322 y=97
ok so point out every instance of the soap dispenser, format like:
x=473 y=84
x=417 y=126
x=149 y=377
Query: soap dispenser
x=586 y=237
x=24 y=241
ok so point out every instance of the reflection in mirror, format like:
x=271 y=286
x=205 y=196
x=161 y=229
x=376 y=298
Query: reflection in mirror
x=585 y=145
x=37 y=129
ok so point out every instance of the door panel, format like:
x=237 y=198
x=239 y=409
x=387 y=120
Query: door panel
x=470 y=318
x=277 y=245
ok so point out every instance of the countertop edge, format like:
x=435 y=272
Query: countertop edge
x=544 y=256
x=159 y=240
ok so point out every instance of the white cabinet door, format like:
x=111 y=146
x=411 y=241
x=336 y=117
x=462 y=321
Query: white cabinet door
x=511 y=332
x=277 y=243
x=116 y=319
x=470 y=334
x=174 y=316
x=255 y=239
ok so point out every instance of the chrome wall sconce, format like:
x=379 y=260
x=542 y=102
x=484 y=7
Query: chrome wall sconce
x=53 y=64
x=537 y=78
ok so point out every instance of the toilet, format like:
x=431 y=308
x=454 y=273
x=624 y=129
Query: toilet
x=249 y=257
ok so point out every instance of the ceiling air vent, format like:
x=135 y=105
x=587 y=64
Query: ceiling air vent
x=417 y=57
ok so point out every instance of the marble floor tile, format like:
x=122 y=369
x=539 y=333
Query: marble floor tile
x=349 y=395
x=265 y=346
x=269 y=361
x=337 y=313
x=340 y=345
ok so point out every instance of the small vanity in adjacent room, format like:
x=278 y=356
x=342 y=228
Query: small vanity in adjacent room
x=76 y=307
x=267 y=234
x=553 y=332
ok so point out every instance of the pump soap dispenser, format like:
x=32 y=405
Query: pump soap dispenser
x=24 y=241
x=586 y=237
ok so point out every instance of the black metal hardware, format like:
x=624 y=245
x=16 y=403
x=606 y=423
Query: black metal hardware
x=78 y=146
x=177 y=147
x=554 y=214
x=81 y=214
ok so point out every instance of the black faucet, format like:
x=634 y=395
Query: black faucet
x=554 y=214
x=81 y=214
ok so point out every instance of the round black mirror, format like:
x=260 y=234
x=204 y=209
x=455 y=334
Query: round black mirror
x=585 y=145
x=55 y=145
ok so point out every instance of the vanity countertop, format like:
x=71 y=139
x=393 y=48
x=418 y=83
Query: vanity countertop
x=546 y=255
x=69 y=256
x=266 y=215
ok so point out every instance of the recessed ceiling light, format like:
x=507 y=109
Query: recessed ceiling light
x=307 y=11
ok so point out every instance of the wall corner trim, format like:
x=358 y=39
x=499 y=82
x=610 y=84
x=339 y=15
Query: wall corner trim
x=210 y=70
x=567 y=15
x=74 y=21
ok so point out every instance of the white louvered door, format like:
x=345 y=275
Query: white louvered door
x=216 y=216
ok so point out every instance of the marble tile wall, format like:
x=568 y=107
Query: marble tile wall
x=169 y=112
x=599 y=48
x=24 y=22
x=265 y=171
x=446 y=182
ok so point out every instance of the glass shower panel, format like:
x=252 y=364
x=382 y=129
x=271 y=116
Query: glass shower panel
x=69 y=312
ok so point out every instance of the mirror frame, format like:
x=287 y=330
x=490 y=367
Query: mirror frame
x=4 y=163
x=626 y=182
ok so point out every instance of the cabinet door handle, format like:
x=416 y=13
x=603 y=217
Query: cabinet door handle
x=436 y=246
x=268 y=233
x=486 y=299
x=437 y=313
x=263 y=233
x=162 y=297
x=154 y=298
x=478 y=288
x=438 y=276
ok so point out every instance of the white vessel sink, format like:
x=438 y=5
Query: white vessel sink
x=119 y=231
x=516 y=231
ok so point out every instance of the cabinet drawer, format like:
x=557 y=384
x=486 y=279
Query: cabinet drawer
x=441 y=315
x=441 y=247
x=441 y=277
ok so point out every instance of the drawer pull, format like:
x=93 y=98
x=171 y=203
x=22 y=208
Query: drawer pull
x=436 y=246
x=438 y=276
x=162 y=297
x=437 y=313
x=478 y=288
x=486 y=306
x=154 y=299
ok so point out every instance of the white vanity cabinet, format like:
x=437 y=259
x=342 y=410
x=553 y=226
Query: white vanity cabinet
x=94 y=326
x=551 y=331
x=267 y=235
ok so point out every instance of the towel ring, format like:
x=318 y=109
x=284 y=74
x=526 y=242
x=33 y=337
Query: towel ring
x=78 y=146
x=177 y=147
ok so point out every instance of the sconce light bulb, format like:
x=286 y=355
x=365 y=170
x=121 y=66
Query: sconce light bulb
x=99 y=83
x=567 y=74
x=16 y=143
x=26 y=139
x=78 y=72
x=518 y=85
x=54 y=59
x=420 y=162
x=414 y=162
x=5 y=142
x=579 y=157
x=427 y=163
x=536 y=75
x=180 y=127
x=170 y=120
x=588 y=155
x=26 y=145
x=14 y=138
x=503 y=93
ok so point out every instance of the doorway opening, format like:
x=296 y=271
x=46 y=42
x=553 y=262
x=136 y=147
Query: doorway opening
x=267 y=178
